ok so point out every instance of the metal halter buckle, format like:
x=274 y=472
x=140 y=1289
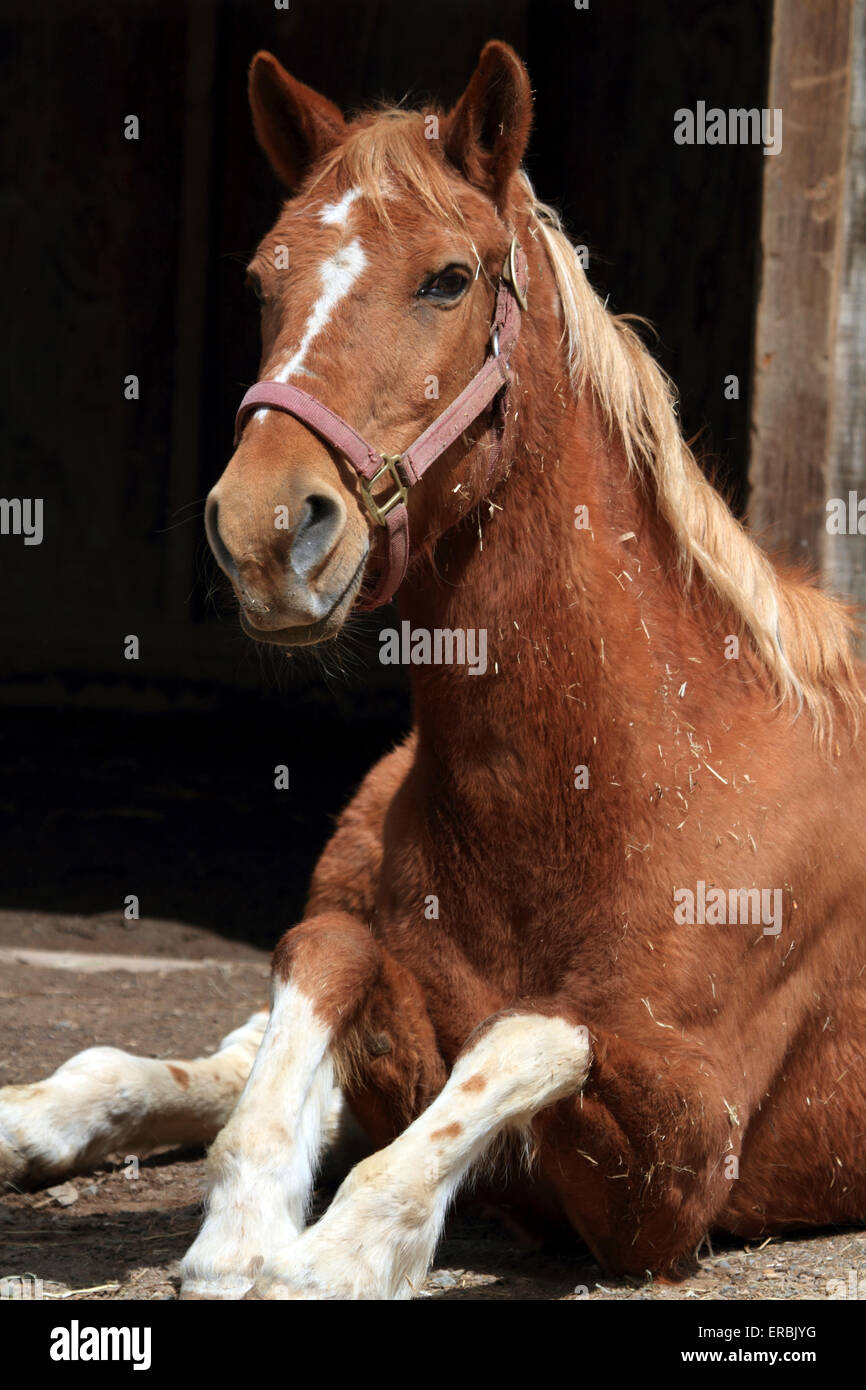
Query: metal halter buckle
x=380 y=510
x=509 y=274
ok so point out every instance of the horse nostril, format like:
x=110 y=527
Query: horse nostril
x=215 y=540
x=316 y=532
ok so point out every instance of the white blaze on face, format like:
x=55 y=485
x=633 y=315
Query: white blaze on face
x=337 y=275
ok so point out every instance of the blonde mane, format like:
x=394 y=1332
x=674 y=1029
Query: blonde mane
x=802 y=636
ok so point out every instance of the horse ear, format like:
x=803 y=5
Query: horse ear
x=488 y=130
x=294 y=125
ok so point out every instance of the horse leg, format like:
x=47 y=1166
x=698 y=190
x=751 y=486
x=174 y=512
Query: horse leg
x=332 y=984
x=105 y=1101
x=377 y=1238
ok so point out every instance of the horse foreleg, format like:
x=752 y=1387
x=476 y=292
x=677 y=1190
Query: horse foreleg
x=105 y=1101
x=262 y=1167
x=377 y=1238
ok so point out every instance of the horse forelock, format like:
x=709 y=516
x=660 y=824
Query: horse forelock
x=392 y=152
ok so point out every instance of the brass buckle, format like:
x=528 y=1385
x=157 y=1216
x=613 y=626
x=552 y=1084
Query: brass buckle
x=509 y=273
x=380 y=510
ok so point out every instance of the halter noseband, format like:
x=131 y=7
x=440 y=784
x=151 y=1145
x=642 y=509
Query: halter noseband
x=407 y=468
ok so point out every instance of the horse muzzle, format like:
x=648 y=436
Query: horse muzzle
x=292 y=564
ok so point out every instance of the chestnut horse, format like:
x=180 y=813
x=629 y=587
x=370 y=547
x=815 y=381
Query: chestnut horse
x=594 y=932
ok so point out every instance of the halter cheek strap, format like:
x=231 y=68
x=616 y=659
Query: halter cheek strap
x=406 y=469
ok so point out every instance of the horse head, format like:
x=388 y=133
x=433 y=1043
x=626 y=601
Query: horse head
x=378 y=287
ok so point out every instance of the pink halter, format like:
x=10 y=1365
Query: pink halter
x=407 y=468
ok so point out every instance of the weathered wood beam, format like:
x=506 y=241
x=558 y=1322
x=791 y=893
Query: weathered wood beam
x=807 y=390
x=844 y=556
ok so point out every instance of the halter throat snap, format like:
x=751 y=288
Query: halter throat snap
x=406 y=469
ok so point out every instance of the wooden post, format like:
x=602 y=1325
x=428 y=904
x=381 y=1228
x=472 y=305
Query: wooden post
x=844 y=557
x=808 y=393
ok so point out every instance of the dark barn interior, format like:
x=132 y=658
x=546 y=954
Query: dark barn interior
x=155 y=777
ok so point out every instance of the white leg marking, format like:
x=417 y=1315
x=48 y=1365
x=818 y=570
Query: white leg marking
x=262 y=1166
x=104 y=1100
x=337 y=275
x=378 y=1236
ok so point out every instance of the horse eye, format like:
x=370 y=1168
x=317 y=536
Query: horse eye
x=447 y=286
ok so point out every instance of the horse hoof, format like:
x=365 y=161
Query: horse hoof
x=275 y=1291
x=213 y=1290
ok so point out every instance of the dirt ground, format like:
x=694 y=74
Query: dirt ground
x=106 y=1235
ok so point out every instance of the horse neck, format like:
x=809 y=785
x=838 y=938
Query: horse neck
x=565 y=648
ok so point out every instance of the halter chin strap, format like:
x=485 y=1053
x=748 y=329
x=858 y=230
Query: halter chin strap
x=407 y=468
